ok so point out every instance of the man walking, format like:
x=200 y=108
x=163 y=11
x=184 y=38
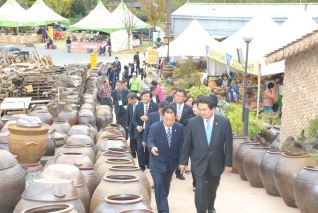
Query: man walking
x=165 y=142
x=137 y=59
x=135 y=84
x=131 y=108
x=111 y=76
x=208 y=141
x=105 y=92
x=118 y=68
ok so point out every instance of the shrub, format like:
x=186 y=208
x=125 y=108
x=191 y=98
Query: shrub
x=312 y=127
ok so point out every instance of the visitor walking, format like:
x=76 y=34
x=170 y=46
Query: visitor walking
x=134 y=83
x=105 y=92
x=269 y=96
x=68 y=44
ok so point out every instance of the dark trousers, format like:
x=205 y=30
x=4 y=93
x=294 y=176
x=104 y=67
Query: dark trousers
x=143 y=73
x=133 y=142
x=128 y=79
x=275 y=107
x=112 y=85
x=107 y=101
x=162 y=187
x=143 y=156
x=205 y=192
x=120 y=119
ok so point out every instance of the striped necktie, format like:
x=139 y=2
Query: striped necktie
x=169 y=137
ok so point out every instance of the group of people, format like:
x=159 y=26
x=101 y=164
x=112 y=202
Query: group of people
x=163 y=134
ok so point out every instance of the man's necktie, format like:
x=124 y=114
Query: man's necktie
x=169 y=137
x=179 y=111
x=208 y=131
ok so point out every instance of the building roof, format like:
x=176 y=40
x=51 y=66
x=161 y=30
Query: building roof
x=128 y=4
x=215 y=10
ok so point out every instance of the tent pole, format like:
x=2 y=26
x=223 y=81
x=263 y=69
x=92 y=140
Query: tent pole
x=258 y=90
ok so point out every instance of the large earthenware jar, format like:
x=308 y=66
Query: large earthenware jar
x=110 y=139
x=306 y=190
x=92 y=131
x=237 y=140
x=251 y=164
x=84 y=164
x=272 y=133
x=5 y=127
x=105 y=107
x=111 y=144
x=50 y=151
x=16 y=117
x=69 y=116
x=137 y=211
x=61 y=126
x=286 y=171
x=72 y=173
x=1 y=124
x=78 y=130
x=131 y=170
x=239 y=157
x=103 y=118
x=49 y=191
x=109 y=132
x=12 y=181
x=51 y=208
x=45 y=117
x=117 y=184
x=103 y=168
x=266 y=171
x=122 y=202
x=121 y=129
x=4 y=140
x=109 y=154
x=28 y=139
x=86 y=117
x=81 y=140
x=85 y=150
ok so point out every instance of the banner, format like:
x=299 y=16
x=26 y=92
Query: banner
x=152 y=56
x=12 y=39
x=222 y=57
x=78 y=45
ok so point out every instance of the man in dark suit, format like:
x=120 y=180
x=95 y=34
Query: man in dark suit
x=164 y=142
x=131 y=108
x=140 y=119
x=119 y=101
x=111 y=76
x=183 y=113
x=136 y=57
x=118 y=68
x=170 y=97
x=208 y=141
x=128 y=73
x=154 y=93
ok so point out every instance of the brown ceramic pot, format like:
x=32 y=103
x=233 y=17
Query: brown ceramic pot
x=49 y=191
x=1 y=124
x=78 y=130
x=251 y=164
x=51 y=208
x=86 y=117
x=237 y=140
x=50 y=151
x=117 y=184
x=12 y=181
x=72 y=173
x=306 y=192
x=272 y=133
x=85 y=164
x=16 y=117
x=109 y=154
x=111 y=144
x=137 y=211
x=109 y=132
x=239 y=157
x=266 y=171
x=29 y=143
x=103 y=119
x=5 y=127
x=69 y=116
x=103 y=168
x=59 y=138
x=286 y=171
x=104 y=107
x=122 y=202
x=131 y=170
x=81 y=140
x=121 y=129
x=92 y=131
x=110 y=139
x=4 y=140
x=45 y=117
x=61 y=126
x=85 y=150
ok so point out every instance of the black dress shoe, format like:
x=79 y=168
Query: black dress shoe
x=211 y=211
x=134 y=155
x=180 y=176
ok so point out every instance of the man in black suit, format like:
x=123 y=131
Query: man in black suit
x=119 y=96
x=154 y=93
x=183 y=113
x=140 y=119
x=111 y=76
x=170 y=97
x=164 y=142
x=128 y=73
x=208 y=141
x=131 y=108
x=118 y=68
x=136 y=57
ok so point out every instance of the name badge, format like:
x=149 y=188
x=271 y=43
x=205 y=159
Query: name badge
x=120 y=103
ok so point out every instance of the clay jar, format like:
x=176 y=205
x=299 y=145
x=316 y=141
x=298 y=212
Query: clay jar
x=117 y=184
x=137 y=211
x=251 y=164
x=28 y=139
x=78 y=130
x=50 y=151
x=12 y=181
x=52 y=208
x=111 y=144
x=237 y=140
x=72 y=173
x=102 y=140
x=109 y=154
x=285 y=174
x=109 y=132
x=84 y=164
x=5 y=127
x=121 y=129
x=81 y=140
x=266 y=171
x=59 y=138
x=69 y=116
x=86 y=117
x=272 y=133
x=122 y=202
x=16 y=117
x=103 y=168
x=306 y=192
x=92 y=131
x=131 y=170
x=4 y=140
x=103 y=119
x=61 y=126
x=45 y=117
x=1 y=124
x=49 y=191
x=239 y=156
x=83 y=149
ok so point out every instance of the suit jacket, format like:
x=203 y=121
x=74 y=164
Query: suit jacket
x=127 y=72
x=153 y=117
x=118 y=65
x=139 y=111
x=111 y=76
x=168 y=158
x=203 y=157
x=157 y=99
x=186 y=113
x=124 y=93
x=129 y=117
x=169 y=99
x=136 y=57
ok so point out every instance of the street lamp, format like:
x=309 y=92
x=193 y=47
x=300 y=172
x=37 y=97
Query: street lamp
x=247 y=39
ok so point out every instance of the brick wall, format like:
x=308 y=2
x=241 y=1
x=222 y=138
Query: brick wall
x=300 y=101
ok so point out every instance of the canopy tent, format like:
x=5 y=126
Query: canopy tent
x=192 y=42
x=46 y=14
x=99 y=19
x=13 y=15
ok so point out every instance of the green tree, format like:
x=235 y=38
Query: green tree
x=61 y=7
x=78 y=9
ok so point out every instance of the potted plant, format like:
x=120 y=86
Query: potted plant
x=212 y=82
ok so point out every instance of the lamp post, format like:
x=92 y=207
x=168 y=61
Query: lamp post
x=247 y=40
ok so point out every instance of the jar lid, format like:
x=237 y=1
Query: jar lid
x=7 y=160
x=29 y=121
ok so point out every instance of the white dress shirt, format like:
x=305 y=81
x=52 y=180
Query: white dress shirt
x=154 y=99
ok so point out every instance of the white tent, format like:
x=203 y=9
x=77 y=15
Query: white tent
x=192 y=42
x=120 y=41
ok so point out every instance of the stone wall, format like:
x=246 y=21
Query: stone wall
x=300 y=101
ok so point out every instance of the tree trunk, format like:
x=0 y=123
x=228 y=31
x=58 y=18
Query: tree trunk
x=128 y=42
